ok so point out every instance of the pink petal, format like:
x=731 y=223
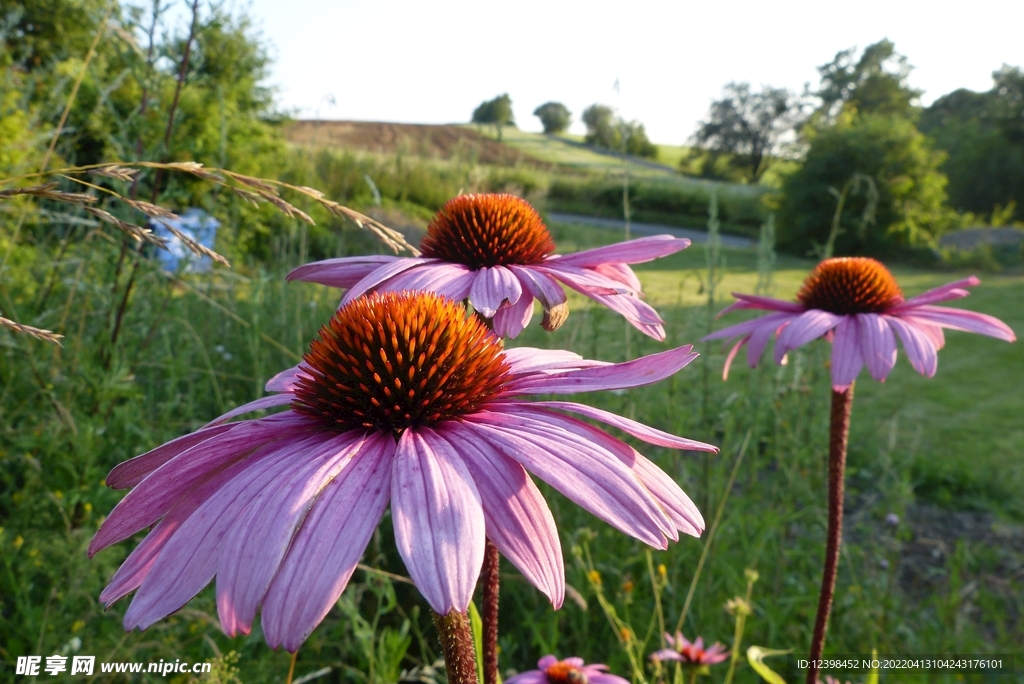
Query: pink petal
x=636 y=311
x=509 y=321
x=732 y=355
x=546 y=662
x=525 y=361
x=585 y=281
x=492 y=287
x=575 y=661
x=583 y=471
x=666 y=492
x=344 y=272
x=847 y=357
x=944 y=293
x=155 y=495
x=638 y=430
x=918 y=344
x=285 y=380
x=256 y=543
x=439 y=520
x=749 y=301
x=808 y=326
x=620 y=273
x=131 y=472
x=380 y=275
x=518 y=519
x=257 y=405
x=529 y=677
x=328 y=545
x=643 y=371
x=635 y=251
x=597 y=677
x=770 y=322
x=542 y=286
x=961 y=319
x=448 y=280
x=189 y=559
x=878 y=344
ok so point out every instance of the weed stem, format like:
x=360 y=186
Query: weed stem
x=456 y=639
x=491 y=587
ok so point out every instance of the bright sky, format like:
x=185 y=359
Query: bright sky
x=434 y=61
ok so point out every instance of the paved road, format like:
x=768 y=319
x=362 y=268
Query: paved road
x=651 y=229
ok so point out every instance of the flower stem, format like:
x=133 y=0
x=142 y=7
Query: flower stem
x=491 y=586
x=839 y=432
x=457 y=643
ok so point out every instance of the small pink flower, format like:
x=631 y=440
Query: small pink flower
x=495 y=251
x=567 y=671
x=690 y=654
x=403 y=400
x=855 y=303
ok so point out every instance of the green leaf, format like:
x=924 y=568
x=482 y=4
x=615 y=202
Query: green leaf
x=477 y=625
x=873 y=674
x=756 y=656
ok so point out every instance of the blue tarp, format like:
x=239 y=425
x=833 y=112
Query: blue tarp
x=194 y=223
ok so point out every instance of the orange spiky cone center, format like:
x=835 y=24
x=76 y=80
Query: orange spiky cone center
x=850 y=285
x=487 y=230
x=390 y=361
x=564 y=673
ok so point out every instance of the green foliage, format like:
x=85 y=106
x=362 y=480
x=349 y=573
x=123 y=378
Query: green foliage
x=746 y=126
x=497 y=112
x=905 y=171
x=876 y=83
x=608 y=131
x=554 y=116
x=653 y=200
x=983 y=137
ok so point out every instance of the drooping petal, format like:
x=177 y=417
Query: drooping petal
x=620 y=273
x=961 y=319
x=448 y=280
x=634 y=309
x=285 y=380
x=380 y=275
x=920 y=348
x=635 y=251
x=528 y=677
x=519 y=521
x=770 y=322
x=542 y=286
x=878 y=344
x=155 y=495
x=328 y=545
x=847 y=357
x=749 y=301
x=584 y=281
x=643 y=371
x=597 y=676
x=439 y=520
x=257 y=405
x=760 y=336
x=343 y=273
x=546 y=662
x=670 y=497
x=732 y=354
x=189 y=559
x=808 y=326
x=256 y=543
x=944 y=293
x=530 y=360
x=493 y=286
x=509 y=321
x=584 y=472
x=134 y=470
x=637 y=429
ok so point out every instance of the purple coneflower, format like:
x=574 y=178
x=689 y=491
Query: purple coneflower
x=856 y=303
x=690 y=654
x=568 y=671
x=495 y=251
x=401 y=399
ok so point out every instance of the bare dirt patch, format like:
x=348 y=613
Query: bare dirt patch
x=443 y=141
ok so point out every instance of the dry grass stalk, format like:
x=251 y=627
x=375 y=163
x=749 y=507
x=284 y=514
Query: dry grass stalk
x=137 y=233
x=38 y=333
x=47 y=191
x=195 y=247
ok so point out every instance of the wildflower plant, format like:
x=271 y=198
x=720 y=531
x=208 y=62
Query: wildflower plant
x=551 y=670
x=856 y=304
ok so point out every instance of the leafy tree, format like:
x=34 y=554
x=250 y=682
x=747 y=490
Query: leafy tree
x=748 y=126
x=497 y=112
x=983 y=135
x=905 y=172
x=555 y=116
x=608 y=131
x=876 y=83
